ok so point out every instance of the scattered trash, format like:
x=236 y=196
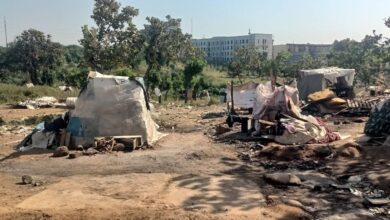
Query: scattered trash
x=42 y=102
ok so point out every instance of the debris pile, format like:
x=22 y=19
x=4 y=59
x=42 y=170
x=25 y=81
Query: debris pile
x=41 y=102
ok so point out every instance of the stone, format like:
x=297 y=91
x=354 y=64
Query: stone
x=354 y=179
x=351 y=152
x=61 y=151
x=283 y=178
x=79 y=147
x=323 y=151
x=293 y=202
x=37 y=183
x=380 y=201
x=27 y=179
x=74 y=155
x=90 y=151
x=118 y=147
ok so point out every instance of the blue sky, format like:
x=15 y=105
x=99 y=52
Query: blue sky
x=299 y=21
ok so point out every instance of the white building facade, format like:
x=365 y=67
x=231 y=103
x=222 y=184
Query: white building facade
x=219 y=50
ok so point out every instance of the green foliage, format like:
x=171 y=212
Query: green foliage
x=124 y=71
x=367 y=57
x=34 y=53
x=246 y=59
x=165 y=43
x=192 y=68
x=115 y=42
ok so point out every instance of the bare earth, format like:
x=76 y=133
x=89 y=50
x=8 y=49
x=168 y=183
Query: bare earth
x=186 y=175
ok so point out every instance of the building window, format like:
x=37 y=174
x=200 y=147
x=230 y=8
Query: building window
x=246 y=40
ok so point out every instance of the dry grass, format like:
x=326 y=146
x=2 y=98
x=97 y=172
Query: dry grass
x=10 y=93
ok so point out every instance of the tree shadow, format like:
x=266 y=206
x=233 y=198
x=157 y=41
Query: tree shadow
x=33 y=151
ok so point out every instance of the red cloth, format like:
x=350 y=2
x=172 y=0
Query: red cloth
x=330 y=135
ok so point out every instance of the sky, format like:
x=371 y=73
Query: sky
x=290 y=21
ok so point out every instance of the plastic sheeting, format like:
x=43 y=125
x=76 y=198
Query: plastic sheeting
x=269 y=102
x=112 y=106
x=243 y=95
x=310 y=81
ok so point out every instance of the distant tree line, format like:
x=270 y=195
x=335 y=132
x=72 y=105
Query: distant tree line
x=368 y=57
x=163 y=55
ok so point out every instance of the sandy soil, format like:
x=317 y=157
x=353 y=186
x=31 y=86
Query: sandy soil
x=186 y=175
x=8 y=113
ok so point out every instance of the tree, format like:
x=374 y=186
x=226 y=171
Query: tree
x=34 y=53
x=193 y=68
x=115 y=42
x=245 y=59
x=74 y=54
x=366 y=57
x=165 y=43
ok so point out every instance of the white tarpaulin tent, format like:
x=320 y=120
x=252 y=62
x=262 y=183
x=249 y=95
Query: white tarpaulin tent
x=112 y=106
x=310 y=81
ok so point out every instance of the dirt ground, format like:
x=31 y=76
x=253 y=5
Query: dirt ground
x=186 y=175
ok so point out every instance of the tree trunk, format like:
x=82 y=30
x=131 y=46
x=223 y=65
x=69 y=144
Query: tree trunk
x=186 y=96
x=166 y=96
x=146 y=78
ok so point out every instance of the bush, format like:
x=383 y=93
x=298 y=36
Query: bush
x=213 y=101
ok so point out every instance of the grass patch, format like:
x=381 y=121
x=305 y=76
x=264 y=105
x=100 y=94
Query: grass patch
x=10 y=93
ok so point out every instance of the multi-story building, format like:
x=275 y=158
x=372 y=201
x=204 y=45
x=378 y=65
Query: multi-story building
x=219 y=50
x=297 y=51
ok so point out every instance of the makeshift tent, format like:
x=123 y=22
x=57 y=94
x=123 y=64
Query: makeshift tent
x=243 y=95
x=310 y=81
x=112 y=106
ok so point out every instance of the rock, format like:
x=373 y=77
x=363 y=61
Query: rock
x=354 y=179
x=257 y=146
x=119 y=147
x=27 y=179
x=74 y=155
x=351 y=152
x=293 y=202
x=37 y=183
x=79 y=147
x=90 y=151
x=380 y=201
x=283 y=178
x=61 y=151
x=323 y=151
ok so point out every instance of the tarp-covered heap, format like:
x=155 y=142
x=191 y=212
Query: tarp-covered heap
x=112 y=106
x=279 y=105
x=310 y=81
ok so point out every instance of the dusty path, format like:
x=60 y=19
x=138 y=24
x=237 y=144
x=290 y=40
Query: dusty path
x=185 y=176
